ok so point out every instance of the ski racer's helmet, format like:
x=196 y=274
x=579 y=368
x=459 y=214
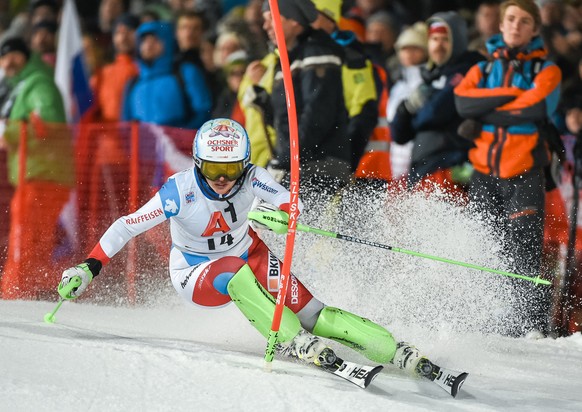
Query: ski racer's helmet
x=221 y=148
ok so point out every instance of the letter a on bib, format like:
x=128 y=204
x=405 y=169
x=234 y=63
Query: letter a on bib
x=217 y=223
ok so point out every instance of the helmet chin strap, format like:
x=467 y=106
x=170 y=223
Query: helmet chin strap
x=211 y=194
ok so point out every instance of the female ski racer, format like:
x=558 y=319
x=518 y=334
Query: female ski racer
x=217 y=257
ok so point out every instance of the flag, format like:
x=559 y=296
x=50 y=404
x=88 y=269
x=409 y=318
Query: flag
x=71 y=75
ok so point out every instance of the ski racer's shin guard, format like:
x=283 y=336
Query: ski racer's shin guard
x=360 y=334
x=258 y=305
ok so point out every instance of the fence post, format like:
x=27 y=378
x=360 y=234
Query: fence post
x=22 y=156
x=133 y=205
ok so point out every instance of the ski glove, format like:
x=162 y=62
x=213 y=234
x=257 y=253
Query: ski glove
x=418 y=98
x=84 y=272
x=263 y=207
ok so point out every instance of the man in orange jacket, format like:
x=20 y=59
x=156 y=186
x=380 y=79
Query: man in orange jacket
x=509 y=100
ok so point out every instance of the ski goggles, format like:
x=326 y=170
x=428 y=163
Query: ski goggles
x=214 y=170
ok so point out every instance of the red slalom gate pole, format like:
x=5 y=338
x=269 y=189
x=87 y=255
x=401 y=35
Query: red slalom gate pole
x=133 y=206
x=294 y=185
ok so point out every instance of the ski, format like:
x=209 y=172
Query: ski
x=449 y=380
x=358 y=374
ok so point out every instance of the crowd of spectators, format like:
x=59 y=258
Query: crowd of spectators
x=362 y=69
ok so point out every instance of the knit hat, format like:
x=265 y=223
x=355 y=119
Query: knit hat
x=15 y=44
x=437 y=26
x=302 y=11
x=45 y=24
x=413 y=36
x=34 y=4
x=129 y=20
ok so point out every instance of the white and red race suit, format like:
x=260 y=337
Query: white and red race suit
x=205 y=229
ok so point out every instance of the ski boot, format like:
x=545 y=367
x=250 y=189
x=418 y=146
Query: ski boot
x=310 y=349
x=408 y=358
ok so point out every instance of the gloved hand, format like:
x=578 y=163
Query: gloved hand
x=263 y=207
x=274 y=169
x=470 y=129
x=260 y=99
x=83 y=272
x=418 y=98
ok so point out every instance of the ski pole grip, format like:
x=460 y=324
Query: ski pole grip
x=66 y=290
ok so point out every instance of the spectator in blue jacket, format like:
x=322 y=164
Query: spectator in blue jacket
x=164 y=93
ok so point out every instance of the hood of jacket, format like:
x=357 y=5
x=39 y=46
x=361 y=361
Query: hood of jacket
x=163 y=64
x=457 y=29
x=498 y=49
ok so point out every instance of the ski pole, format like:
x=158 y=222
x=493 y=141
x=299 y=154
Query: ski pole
x=277 y=220
x=64 y=291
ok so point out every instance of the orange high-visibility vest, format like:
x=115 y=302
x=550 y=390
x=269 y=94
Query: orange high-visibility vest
x=375 y=162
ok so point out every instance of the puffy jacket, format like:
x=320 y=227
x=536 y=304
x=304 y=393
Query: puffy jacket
x=36 y=99
x=156 y=96
x=108 y=86
x=316 y=63
x=510 y=100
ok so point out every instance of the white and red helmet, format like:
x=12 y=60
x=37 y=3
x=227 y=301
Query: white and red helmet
x=221 y=148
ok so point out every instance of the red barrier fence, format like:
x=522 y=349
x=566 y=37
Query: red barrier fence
x=117 y=167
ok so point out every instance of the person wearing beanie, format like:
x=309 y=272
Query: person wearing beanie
x=43 y=41
x=325 y=150
x=411 y=48
x=509 y=103
x=38 y=201
x=427 y=116
x=362 y=85
x=227 y=105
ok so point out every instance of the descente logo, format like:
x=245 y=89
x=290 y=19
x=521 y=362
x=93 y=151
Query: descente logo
x=257 y=183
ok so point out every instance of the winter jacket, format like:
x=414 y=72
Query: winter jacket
x=316 y=66
x=434 y=126
x=164 y=95
x=254 y=101
x=109 y=83
x=509 y=99
x=36 y=99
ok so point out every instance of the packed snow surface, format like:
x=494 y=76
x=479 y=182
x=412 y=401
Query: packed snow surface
x=163 y=354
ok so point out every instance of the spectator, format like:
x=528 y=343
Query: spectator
x=381 y=33
x=322 y=117
x=43 y=41
x=43 y=10
x=226 y=44
x=190 y=33
x=227 y=105
x=49 y=174
x=411 y=47
x=109 y=82
x=366 y=8
x=428 y=115
x=255 y=100
x=509 y=101
x=486 y=25
x=109 y=12
x=190 y=28
x=162 y=94
x=358 y=78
